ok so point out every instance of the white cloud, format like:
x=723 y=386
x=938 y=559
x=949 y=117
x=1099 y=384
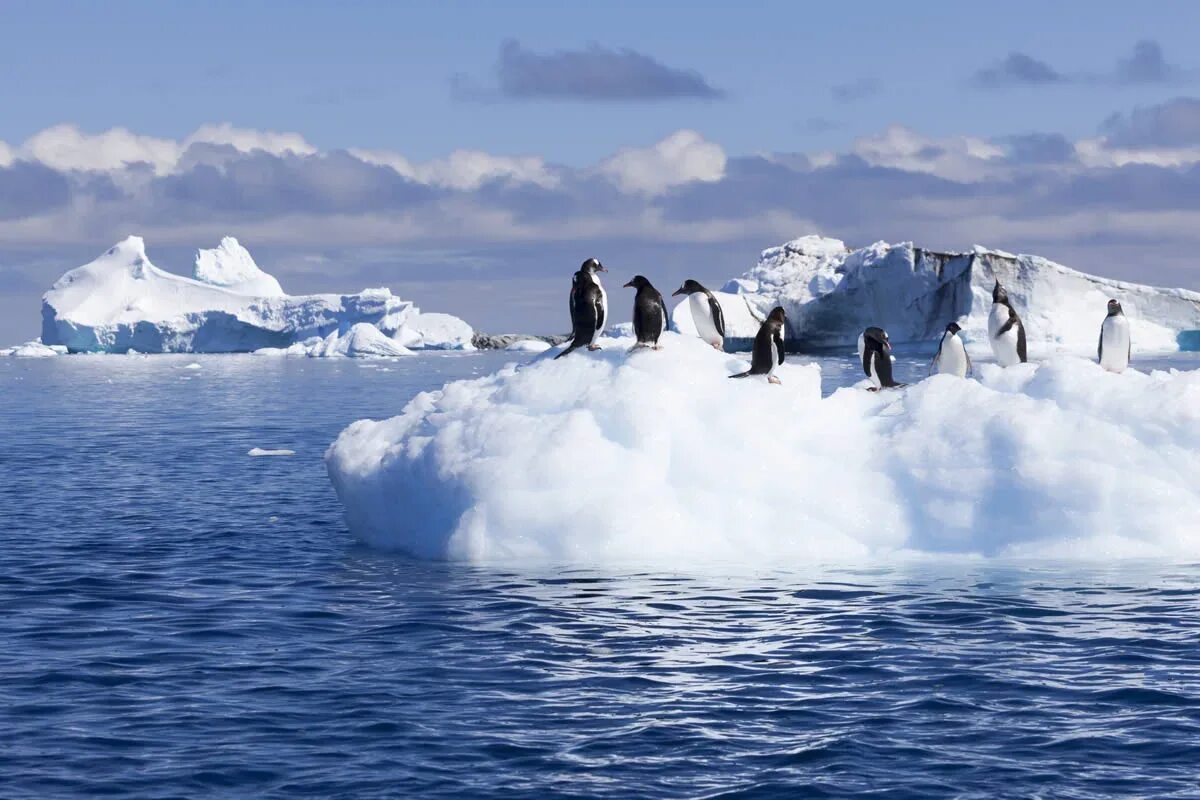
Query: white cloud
x=65 y=147
x=6 y=155
x=961 y=158
x=682 y=157
x=464 y=170
x=1099 y=153
x=248 y=140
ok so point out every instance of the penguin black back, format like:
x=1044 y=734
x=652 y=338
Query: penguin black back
x=877 y=357
x=587 y=314
x=768 y=346
x=649 y=312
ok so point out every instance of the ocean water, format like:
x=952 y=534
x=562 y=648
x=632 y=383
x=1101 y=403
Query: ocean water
x=182 y=620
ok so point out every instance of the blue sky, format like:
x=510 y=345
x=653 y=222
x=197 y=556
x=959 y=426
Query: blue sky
x=947 y=123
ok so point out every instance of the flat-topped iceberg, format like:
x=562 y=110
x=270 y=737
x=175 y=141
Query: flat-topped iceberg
x=659 y=457
x=831 y=293
x=122 y=301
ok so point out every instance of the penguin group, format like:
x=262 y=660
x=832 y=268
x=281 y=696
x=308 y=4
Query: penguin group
x=1006 y=331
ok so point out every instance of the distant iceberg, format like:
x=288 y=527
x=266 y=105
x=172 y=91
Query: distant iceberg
x=831 y=293
x=616 y=457
x=122 y=301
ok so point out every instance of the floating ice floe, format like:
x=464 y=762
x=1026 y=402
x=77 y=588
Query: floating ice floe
x=122 y=302
x=260 y=452
x=33 y=349
x=658 y=457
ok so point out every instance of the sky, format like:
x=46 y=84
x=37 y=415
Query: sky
x=471 y=155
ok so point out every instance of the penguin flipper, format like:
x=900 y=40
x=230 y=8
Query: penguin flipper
x=1021 y=343
x=866 y=362
x=1100 y=346
x=779 y=346
x=717 y=314
x=970 y=366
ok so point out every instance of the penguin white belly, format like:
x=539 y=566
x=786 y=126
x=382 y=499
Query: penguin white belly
x=952 y=359
x=702 y=316
x=1114 y=333
x=871 y=374
x=774 y=358
x=1003 y=347
x=604 y=307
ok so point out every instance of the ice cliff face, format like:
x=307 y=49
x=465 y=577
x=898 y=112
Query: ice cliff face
x=122 y=301
x=831 y=293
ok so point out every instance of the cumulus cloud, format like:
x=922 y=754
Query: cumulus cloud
x=683 y=157
x=595 y=73
x=465 y=170
x=953 y=157
x=1175 y=123
x=1146 y=65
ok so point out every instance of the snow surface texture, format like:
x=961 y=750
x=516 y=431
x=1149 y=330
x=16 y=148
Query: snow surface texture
x=831 y=294
x=122 y=302
x=614 y=457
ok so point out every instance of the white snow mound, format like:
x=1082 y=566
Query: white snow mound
x=122 y=301
x=361 y=341
x=659 y=457
x=832 y=293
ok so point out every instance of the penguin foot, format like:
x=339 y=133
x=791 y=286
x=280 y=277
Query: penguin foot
x=716 y=345
x=872 y=388
x=658 y=347
x=774 y=380
x=593 y=347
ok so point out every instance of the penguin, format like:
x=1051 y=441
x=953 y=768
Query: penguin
x=951 y=358
x=1115 y=345
x=876 y=352
x=649 y=313
x=587 y=312
x=587 y=273
x=706 y=312
x=1005 y=330
x=768 y=347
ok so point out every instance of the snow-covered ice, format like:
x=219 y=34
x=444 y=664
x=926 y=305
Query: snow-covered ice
x=658 y=456
x=831 y=293
x=33 y=349
x=122 y=301
x=361 y=341
x=528 y=346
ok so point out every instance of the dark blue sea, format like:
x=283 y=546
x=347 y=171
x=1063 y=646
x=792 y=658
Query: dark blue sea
x=178 y=619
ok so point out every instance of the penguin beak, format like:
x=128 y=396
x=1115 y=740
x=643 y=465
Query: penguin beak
x=629 y=285
x=678 y=292
x=601 y=268
x=887 y=345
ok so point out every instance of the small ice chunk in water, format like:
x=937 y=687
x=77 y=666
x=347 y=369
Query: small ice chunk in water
x=258 y=451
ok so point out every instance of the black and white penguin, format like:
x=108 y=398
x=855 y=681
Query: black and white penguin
x=951 y=358
x=587 y=314
x=588 y=273
x=1115 y=343
x=706 y=312
x=649 y=313
x=768 y=347
x=1005 y=330
x=875 y=349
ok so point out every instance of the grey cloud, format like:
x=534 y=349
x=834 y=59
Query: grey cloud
x=1175 y=123
x=1039 y=148
x=1017 y=69
x=29 y=188
x=855 y=90
x=1146 y=65
x=595 y=73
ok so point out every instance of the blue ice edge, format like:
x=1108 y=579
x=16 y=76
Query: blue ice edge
x=1188 y=341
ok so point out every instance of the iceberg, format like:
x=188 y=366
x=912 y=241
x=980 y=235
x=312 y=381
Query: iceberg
x=657 y=457
x=831 y=293
x=33 y=349
x=122 y=301
x=363 y=340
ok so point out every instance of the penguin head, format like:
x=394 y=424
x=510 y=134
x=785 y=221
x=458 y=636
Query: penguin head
x=592 y=266
x=689 y=287
x=638 y=282
x=953 y=328
x=1114 y=308
x=999 y=294
x=877 y=338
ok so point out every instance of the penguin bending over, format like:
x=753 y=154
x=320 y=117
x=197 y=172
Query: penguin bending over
x=706 y=312
x=649 y=313
x=1115 y=343
x=876 y=351
x=951 y=358
x=1005 y=330
x=587 y=273
x=587 y=315
x=768 y=347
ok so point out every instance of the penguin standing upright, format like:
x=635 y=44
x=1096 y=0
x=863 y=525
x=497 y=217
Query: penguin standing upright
x=768 y=347
x=706 y=312
x=876 y=351
x=1005 y=330
x=587 y=314
x=951 y=358
x=587 y=273
x=1115 y=343
x=649 y=313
